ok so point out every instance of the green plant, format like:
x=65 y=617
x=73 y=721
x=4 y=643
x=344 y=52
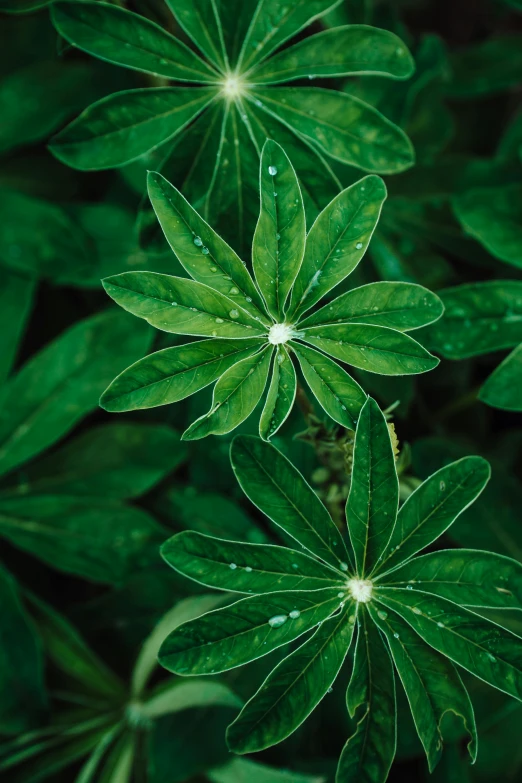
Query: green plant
x=233 y=100
x=411 y=610
x=253 y=324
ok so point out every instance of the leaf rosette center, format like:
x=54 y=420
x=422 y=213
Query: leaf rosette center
x=360 y=590
x=281 y=333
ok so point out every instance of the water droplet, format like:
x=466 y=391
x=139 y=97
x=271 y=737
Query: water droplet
x=198 y=241
x=341 y=595
x=294 y=614
x=359 y=245
x=219 y=321
x=277 y=620
x=330 y=690
x=382 y=615
x=174 y=304
x=416 y=610
x=234 y=313
x=343 y=566
x=396 y=635
x=213 y=268
x=233 y=291
x=248 y=298
x=205 y=251
x=248 y=569
x=442 y=486
x=272 y=170
x=441 y=625
x=409 y=587
x=294 y=565
x=233 y=566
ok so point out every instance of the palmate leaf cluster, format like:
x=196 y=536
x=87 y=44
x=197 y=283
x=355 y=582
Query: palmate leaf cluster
x=425 y=95
x=401 y=612
x=256 y=328
x=208 y=133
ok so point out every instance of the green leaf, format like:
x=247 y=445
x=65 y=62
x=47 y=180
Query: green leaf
x=433 y=507
x=294 y=688
x=338 y=394
x=119 y=763
x=273 y=23
x=432 y=685
x=279 y=239
x=60 y=385
x=23 y=700
x=182 y=612
x=122 y=127
x=277 y=488
x=97 y=539
x=343 y=51
x=373 y=348
x=502 y=388
x=235 y=396
x=493 y=216
x=478 y=318
x=342 y=126
x=245 y=568
x=128 y=39
x=200 y=20
x=487 y=67
x=374 y=491
x=281 y=394
x=16 y=299
x=22 y=6
x=241 y=770
x=92 y=764
x=47 y=249
x=174 y=373
x=70 y=654
x=240 y=633
x=485 y=649
x=369 y=752
x=181 y=695
x=181 y=306
x=469 y=577
x=206 y=257
x=401 y=306
x=337 y=241
x=111 y=460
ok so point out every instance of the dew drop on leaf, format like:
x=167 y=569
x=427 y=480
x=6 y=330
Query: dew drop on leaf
x=272 y=170
x=278 y=620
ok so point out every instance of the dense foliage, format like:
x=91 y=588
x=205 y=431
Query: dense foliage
x=317 y=206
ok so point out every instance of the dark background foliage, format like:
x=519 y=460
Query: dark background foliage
x=62 y=230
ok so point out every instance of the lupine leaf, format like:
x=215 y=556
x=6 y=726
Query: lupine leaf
x=122 y=127
x=100 y=540
x=432 y=684
x=337 y=241
x=175 y=304
x=470 y=577
x=478 y=318
x=174 y=373
x=205 y=256
x=273 y=23
x=181 y=695
x=16 y=298
x=239 y=633
x=279 y=239
x=272 y=483
x=401 y=306
x=374 y=491
x=493 y=216
x=373 y=348
x=487 y=650
x=502 y=388
x=240 y=770
x=124 y=38
x=245 y=568
x=294 y=688
x=200 y=20
x=61 y=384
x=369 y=752
x=281 y=394
x=114 y=460
x=487 y=67
x=235 y=396
x=354 y=49
x=23 y=701
x=433 y=507
x=338 y=394
x=342 y=126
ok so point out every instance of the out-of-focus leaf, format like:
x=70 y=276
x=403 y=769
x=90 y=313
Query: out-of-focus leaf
x=244 y=770
x=98 y=539
x=112 y=461
x=16 y=298
x=503 y=387
x=23 y=700
x=183 y=694
x=478 y=318
x=487 y=67
x=493 y=216
x=61 y=384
